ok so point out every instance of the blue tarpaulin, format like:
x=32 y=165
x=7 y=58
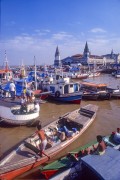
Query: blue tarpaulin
x=106 y=166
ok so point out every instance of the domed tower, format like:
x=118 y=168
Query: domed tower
x=86 y=53
x=57 y=61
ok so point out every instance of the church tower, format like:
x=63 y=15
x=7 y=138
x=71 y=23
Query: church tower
x=57 y=61
x=112 y=54
x=86 y=53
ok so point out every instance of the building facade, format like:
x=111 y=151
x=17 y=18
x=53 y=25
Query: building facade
x=87 y=58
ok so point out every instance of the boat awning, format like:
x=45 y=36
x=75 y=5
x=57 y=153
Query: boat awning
x=106 y=166
x=93 y=84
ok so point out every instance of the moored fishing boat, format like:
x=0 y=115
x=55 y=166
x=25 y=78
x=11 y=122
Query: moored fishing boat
x=79 y=76
x=63 y=90
x=25 y=156
x=70 y=166
x=11 y=113
x=94 y=74
x=22 y=83
x=94 y=91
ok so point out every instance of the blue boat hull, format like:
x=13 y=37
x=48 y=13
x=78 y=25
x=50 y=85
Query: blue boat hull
x=67 y=98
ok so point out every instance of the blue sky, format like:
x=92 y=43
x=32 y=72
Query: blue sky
x=35 y=27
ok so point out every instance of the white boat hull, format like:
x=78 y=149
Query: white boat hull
x=16 y=119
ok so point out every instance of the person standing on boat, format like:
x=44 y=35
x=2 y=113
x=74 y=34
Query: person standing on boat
x=29 y=94
x=23 y=104
x=12 y=90
x=42 y=137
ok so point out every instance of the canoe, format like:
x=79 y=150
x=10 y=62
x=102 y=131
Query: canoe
x=25 y=156
x=11 y=114
x=69 y=166
x=94 y=167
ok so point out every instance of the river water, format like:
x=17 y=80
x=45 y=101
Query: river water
x=107 y=120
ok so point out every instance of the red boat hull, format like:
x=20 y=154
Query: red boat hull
x=49 y=173
x=37 y=94
x=12 y=174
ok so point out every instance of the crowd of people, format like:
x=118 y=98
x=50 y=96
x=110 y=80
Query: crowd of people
x=27 y=97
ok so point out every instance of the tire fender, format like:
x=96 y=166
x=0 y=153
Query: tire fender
x=57 y=94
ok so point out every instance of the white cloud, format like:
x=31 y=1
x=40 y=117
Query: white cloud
x=25 y=46
x=97 y=30
x=61 y=36
x=42 y=32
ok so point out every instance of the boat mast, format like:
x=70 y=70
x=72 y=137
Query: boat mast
x=6 y=63
x=35 y=73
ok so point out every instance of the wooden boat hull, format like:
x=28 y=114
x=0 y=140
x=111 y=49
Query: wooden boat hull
x=88 y=96
x=23 y=159
x=66 y=166
x=96 y=96
x=80 y=77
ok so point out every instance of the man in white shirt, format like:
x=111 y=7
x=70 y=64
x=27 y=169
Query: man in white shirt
x=12 y=90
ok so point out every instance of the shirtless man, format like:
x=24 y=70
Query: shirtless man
x=42 y=137
x=100 y=149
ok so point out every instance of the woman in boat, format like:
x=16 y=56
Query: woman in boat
x=100 y=149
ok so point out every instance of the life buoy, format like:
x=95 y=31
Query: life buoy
x=57 y=94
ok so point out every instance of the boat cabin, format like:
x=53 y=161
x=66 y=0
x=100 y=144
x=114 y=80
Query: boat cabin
x=6 y=75
x=92 y=87
x=61 y=85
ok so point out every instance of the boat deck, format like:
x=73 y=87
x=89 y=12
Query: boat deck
x=7 y=102
x=83 y=115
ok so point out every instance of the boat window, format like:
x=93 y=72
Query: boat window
x=71 y=85
x=66 y=89
x=75 y=87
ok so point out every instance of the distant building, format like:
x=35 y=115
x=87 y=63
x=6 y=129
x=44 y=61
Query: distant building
x=112 y=58
x=87 y=58
x=57 y=61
